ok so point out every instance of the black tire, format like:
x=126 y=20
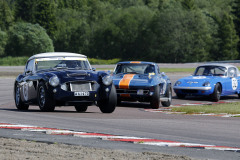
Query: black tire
x=81 y=108
x=181 y=96
x=216 y=93
x=17 y=97
x=169 y=96
x=45 y=100
x=155 y=99
x=108 y=105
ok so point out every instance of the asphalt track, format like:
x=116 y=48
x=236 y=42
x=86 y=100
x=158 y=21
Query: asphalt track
x=129 y=119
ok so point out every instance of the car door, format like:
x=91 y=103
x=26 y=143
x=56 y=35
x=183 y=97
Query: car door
x=29 y=82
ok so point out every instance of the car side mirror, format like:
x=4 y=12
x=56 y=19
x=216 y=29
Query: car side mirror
x=28 y=72
x=163 y=74
x=94 y=69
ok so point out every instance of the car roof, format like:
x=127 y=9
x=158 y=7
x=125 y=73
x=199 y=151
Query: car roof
x=136 y=62
x=56 y=54
x=218 y=64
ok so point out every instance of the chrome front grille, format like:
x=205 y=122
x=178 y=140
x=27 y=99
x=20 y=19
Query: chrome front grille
x=76 y=87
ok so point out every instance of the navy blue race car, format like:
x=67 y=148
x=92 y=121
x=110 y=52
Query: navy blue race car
x=213 y=79
x=63 y=79
x=143 y=82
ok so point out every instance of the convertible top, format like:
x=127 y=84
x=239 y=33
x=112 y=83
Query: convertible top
x=56 y=54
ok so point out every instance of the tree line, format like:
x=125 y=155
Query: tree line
x=151 y=30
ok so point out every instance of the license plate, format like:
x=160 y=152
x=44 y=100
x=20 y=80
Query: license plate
x=81 y=93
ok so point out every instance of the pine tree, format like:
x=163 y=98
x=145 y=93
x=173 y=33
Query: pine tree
x=188 y=4
x=236 y=12
x=25 y=10
x=6 y=17
x=228 y=39
x=45 y=16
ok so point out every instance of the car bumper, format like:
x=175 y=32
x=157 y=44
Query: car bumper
x=140 y=94
x=193 y=90
x=69 y=98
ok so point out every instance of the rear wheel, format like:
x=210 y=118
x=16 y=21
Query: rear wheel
x=108 y=105
x=169 y=96
x=45 y=101
x=80 y=108
x=217 y=93
x=17 y=97
x=155 y=99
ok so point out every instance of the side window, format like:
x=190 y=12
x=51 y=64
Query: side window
x=30 y=66
x=232 y=72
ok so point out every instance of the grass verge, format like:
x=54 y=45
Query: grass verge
x=13 y=61
x=168 y=70
x=230 y=108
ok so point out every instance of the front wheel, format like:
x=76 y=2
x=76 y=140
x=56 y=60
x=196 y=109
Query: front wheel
x=216 y=93
x=80 y=108
x=155 y=99
x=17 y=97
x=169 y=96
x=45 y=101
x=108 y=105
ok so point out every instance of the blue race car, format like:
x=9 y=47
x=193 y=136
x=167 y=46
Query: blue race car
x=143 y=82
x=63 y=79
x=213 y=79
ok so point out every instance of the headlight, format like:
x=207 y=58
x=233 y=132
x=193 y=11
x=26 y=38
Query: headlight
x=206 y=84
x=107 y=80
x=54 y=81
x=178 y=83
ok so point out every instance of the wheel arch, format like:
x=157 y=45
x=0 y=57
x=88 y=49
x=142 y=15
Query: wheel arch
x=221 y=86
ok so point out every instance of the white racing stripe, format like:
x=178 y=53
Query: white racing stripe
x=64 y=132
x=176 y=144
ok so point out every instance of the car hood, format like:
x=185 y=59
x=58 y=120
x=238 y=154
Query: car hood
x=132 y=80
x=73 y=75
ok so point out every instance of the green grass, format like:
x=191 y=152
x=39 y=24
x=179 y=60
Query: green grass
x=102 y=61
x=168 y=70
x=13 y=61
x=230 y=108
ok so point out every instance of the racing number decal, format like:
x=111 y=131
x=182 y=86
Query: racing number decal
x=234 y=83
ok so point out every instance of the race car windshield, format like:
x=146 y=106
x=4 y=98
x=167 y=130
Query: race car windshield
x=211 y=71
x=134 y=69
x=62 y=63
